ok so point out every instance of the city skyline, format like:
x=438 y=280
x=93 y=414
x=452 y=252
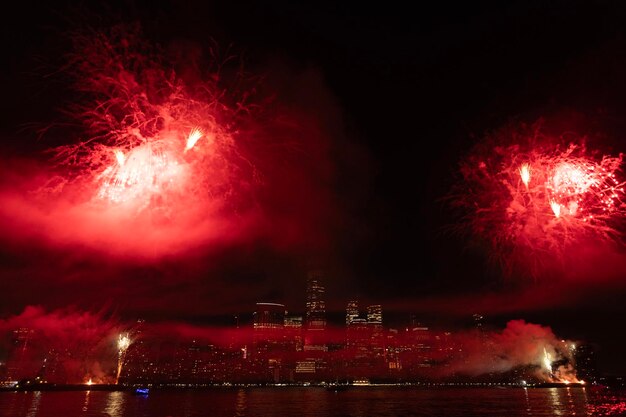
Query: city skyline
x=280 y=347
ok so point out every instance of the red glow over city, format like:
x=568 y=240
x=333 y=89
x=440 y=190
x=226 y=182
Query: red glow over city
x=79 y=347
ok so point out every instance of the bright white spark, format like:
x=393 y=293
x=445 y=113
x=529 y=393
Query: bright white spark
x=193 y=137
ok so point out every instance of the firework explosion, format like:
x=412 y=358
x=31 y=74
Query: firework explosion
x=162 y=162
x=155 y=140
x=537 y=199
x=562 y=370
x=123 y=343
x=164 y=151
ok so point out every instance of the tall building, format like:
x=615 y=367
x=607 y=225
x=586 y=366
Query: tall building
x=375 y=315
x=358 y=337
x=293 y=322
x=586 y=361
x=315 y=315
x=315 y=304
x=375 y=323
x=269 y=316
x=269 y=323
x=352 y=312
x=22 y=362
x=479 y=321
x=293 y=332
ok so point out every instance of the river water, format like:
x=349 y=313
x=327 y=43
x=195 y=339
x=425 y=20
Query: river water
x=319 y=402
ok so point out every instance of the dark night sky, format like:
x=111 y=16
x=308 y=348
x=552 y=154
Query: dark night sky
x=407 y=90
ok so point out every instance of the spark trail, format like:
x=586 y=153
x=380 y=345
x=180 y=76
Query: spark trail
x=123 y=343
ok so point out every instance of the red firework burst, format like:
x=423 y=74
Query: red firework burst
x=537 y=199
x=167 y=157
x=156 y=141
x=178 y=152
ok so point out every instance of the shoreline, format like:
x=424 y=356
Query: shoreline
x=330 y=387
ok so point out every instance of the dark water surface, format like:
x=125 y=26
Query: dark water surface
x=319 y=402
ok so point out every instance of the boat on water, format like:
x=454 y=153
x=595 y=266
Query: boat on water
x=141 y=391
x=361 y=382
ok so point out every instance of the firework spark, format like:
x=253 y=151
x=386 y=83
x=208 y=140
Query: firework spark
x=121 y=158
x=148 y=170
x=547 y=360
x=193 y=138
x=525 y=174
x=538 y=200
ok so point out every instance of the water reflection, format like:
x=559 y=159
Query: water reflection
x=570 y=402
x=86 y=403
x=241 y=403
x=11 y=406
x=188 y=405
x=555 y=398
x=318 y=402
x=34 y=404
x=115 y=404
x=607 y=404
x=529 y=409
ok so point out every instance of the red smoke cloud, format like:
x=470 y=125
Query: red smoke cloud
x=61 y=346
x=520 y=344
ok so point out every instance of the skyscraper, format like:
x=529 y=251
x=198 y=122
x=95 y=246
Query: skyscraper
x=268 y=322
x=315 y=304
x=269 y=316
x=293 y=332
x=479 y=321
x=315 y=318
x=352 y=311
x=375 y=315
x=375 y=323
x=22 y=362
